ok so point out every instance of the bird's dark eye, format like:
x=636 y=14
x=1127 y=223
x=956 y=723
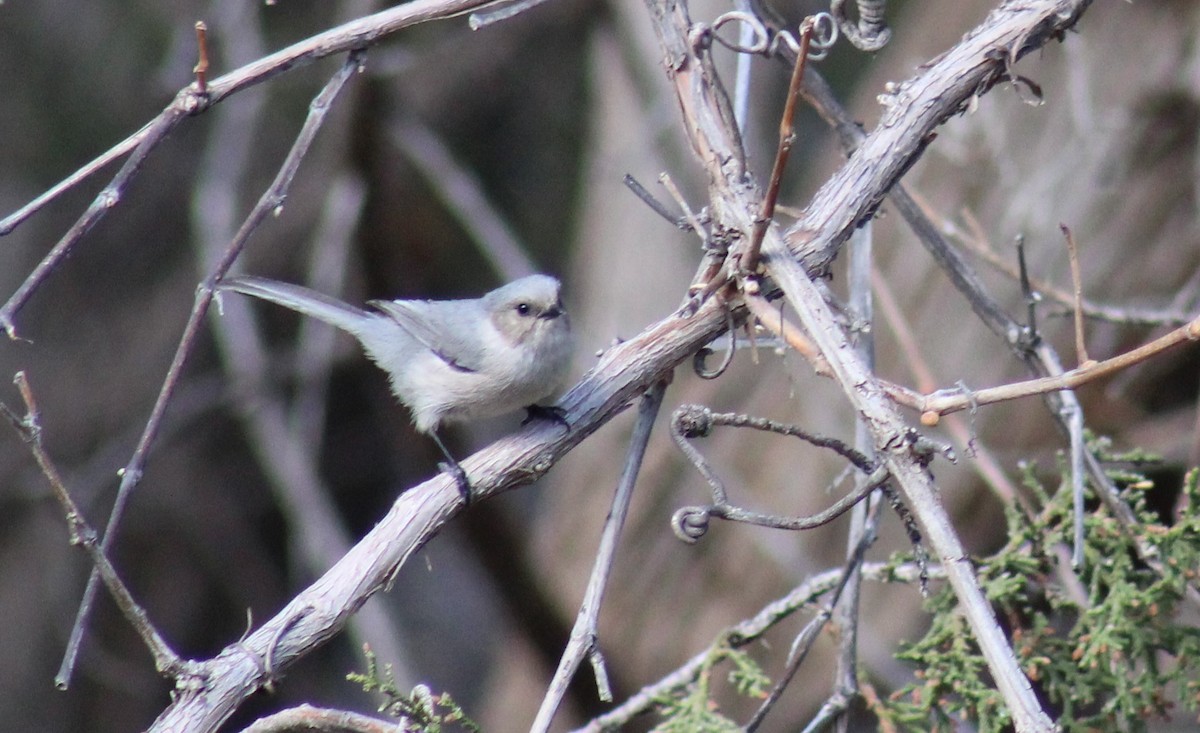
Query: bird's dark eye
x=523 y=309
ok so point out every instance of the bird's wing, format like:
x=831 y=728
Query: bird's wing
x=440 y=326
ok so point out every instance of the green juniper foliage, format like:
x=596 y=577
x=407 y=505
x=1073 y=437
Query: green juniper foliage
x=1116 y=660
x=420 y=710
x=694 y=710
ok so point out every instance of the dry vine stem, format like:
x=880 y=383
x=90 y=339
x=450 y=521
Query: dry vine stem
x=851 y=195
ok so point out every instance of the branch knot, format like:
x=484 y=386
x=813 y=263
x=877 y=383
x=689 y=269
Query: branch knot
x=692 y=421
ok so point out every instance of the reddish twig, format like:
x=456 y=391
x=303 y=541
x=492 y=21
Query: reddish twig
x=787 y=137
x=772 y=318
x=201 y=68
x=946 y=401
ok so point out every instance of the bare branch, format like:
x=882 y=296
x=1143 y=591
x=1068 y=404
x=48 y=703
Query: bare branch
x=952 y=400
x=166 y=661
x=320 y=720
x=787 y=136
x=271 y=200
x=585 y=641
x=357 y=34
x=742 y=634
x=1077 y=290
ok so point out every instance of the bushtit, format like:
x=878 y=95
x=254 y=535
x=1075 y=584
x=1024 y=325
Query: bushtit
x=451 y=360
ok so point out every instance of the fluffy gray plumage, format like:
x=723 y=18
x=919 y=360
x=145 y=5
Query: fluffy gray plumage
x=451 y=360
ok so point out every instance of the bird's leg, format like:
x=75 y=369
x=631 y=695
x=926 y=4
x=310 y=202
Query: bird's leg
x=546 y=412
x=451 y=467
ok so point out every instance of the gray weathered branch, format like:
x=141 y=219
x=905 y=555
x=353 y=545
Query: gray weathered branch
x=319 y=612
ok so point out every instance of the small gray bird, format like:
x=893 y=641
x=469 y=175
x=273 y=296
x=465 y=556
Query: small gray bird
x=451 y=360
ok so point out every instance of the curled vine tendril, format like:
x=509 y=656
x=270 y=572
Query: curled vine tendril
x=765 y=41
x=690 y=523
x=871 y=33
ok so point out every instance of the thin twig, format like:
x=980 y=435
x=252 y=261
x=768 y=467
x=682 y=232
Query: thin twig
x=1081 y=354
x=787 y=137
x=772 y=318
x=584 y=641
x=1028 y=334
x=808 y=635
x=15 y=219
x=185 y=103
x=864 y=519
x=977 y=242
x=655 y=205
x=946 y=401
x=689 y=216
x=743 y=634
x=359 y=33
x=201 y=68
x=271 y=200
x=166 y=661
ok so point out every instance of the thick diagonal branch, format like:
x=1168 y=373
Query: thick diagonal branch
x=318 y=613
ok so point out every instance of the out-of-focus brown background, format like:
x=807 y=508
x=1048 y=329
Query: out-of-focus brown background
x=547 y=112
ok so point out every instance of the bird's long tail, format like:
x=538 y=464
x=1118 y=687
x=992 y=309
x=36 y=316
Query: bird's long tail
x=303 y=300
